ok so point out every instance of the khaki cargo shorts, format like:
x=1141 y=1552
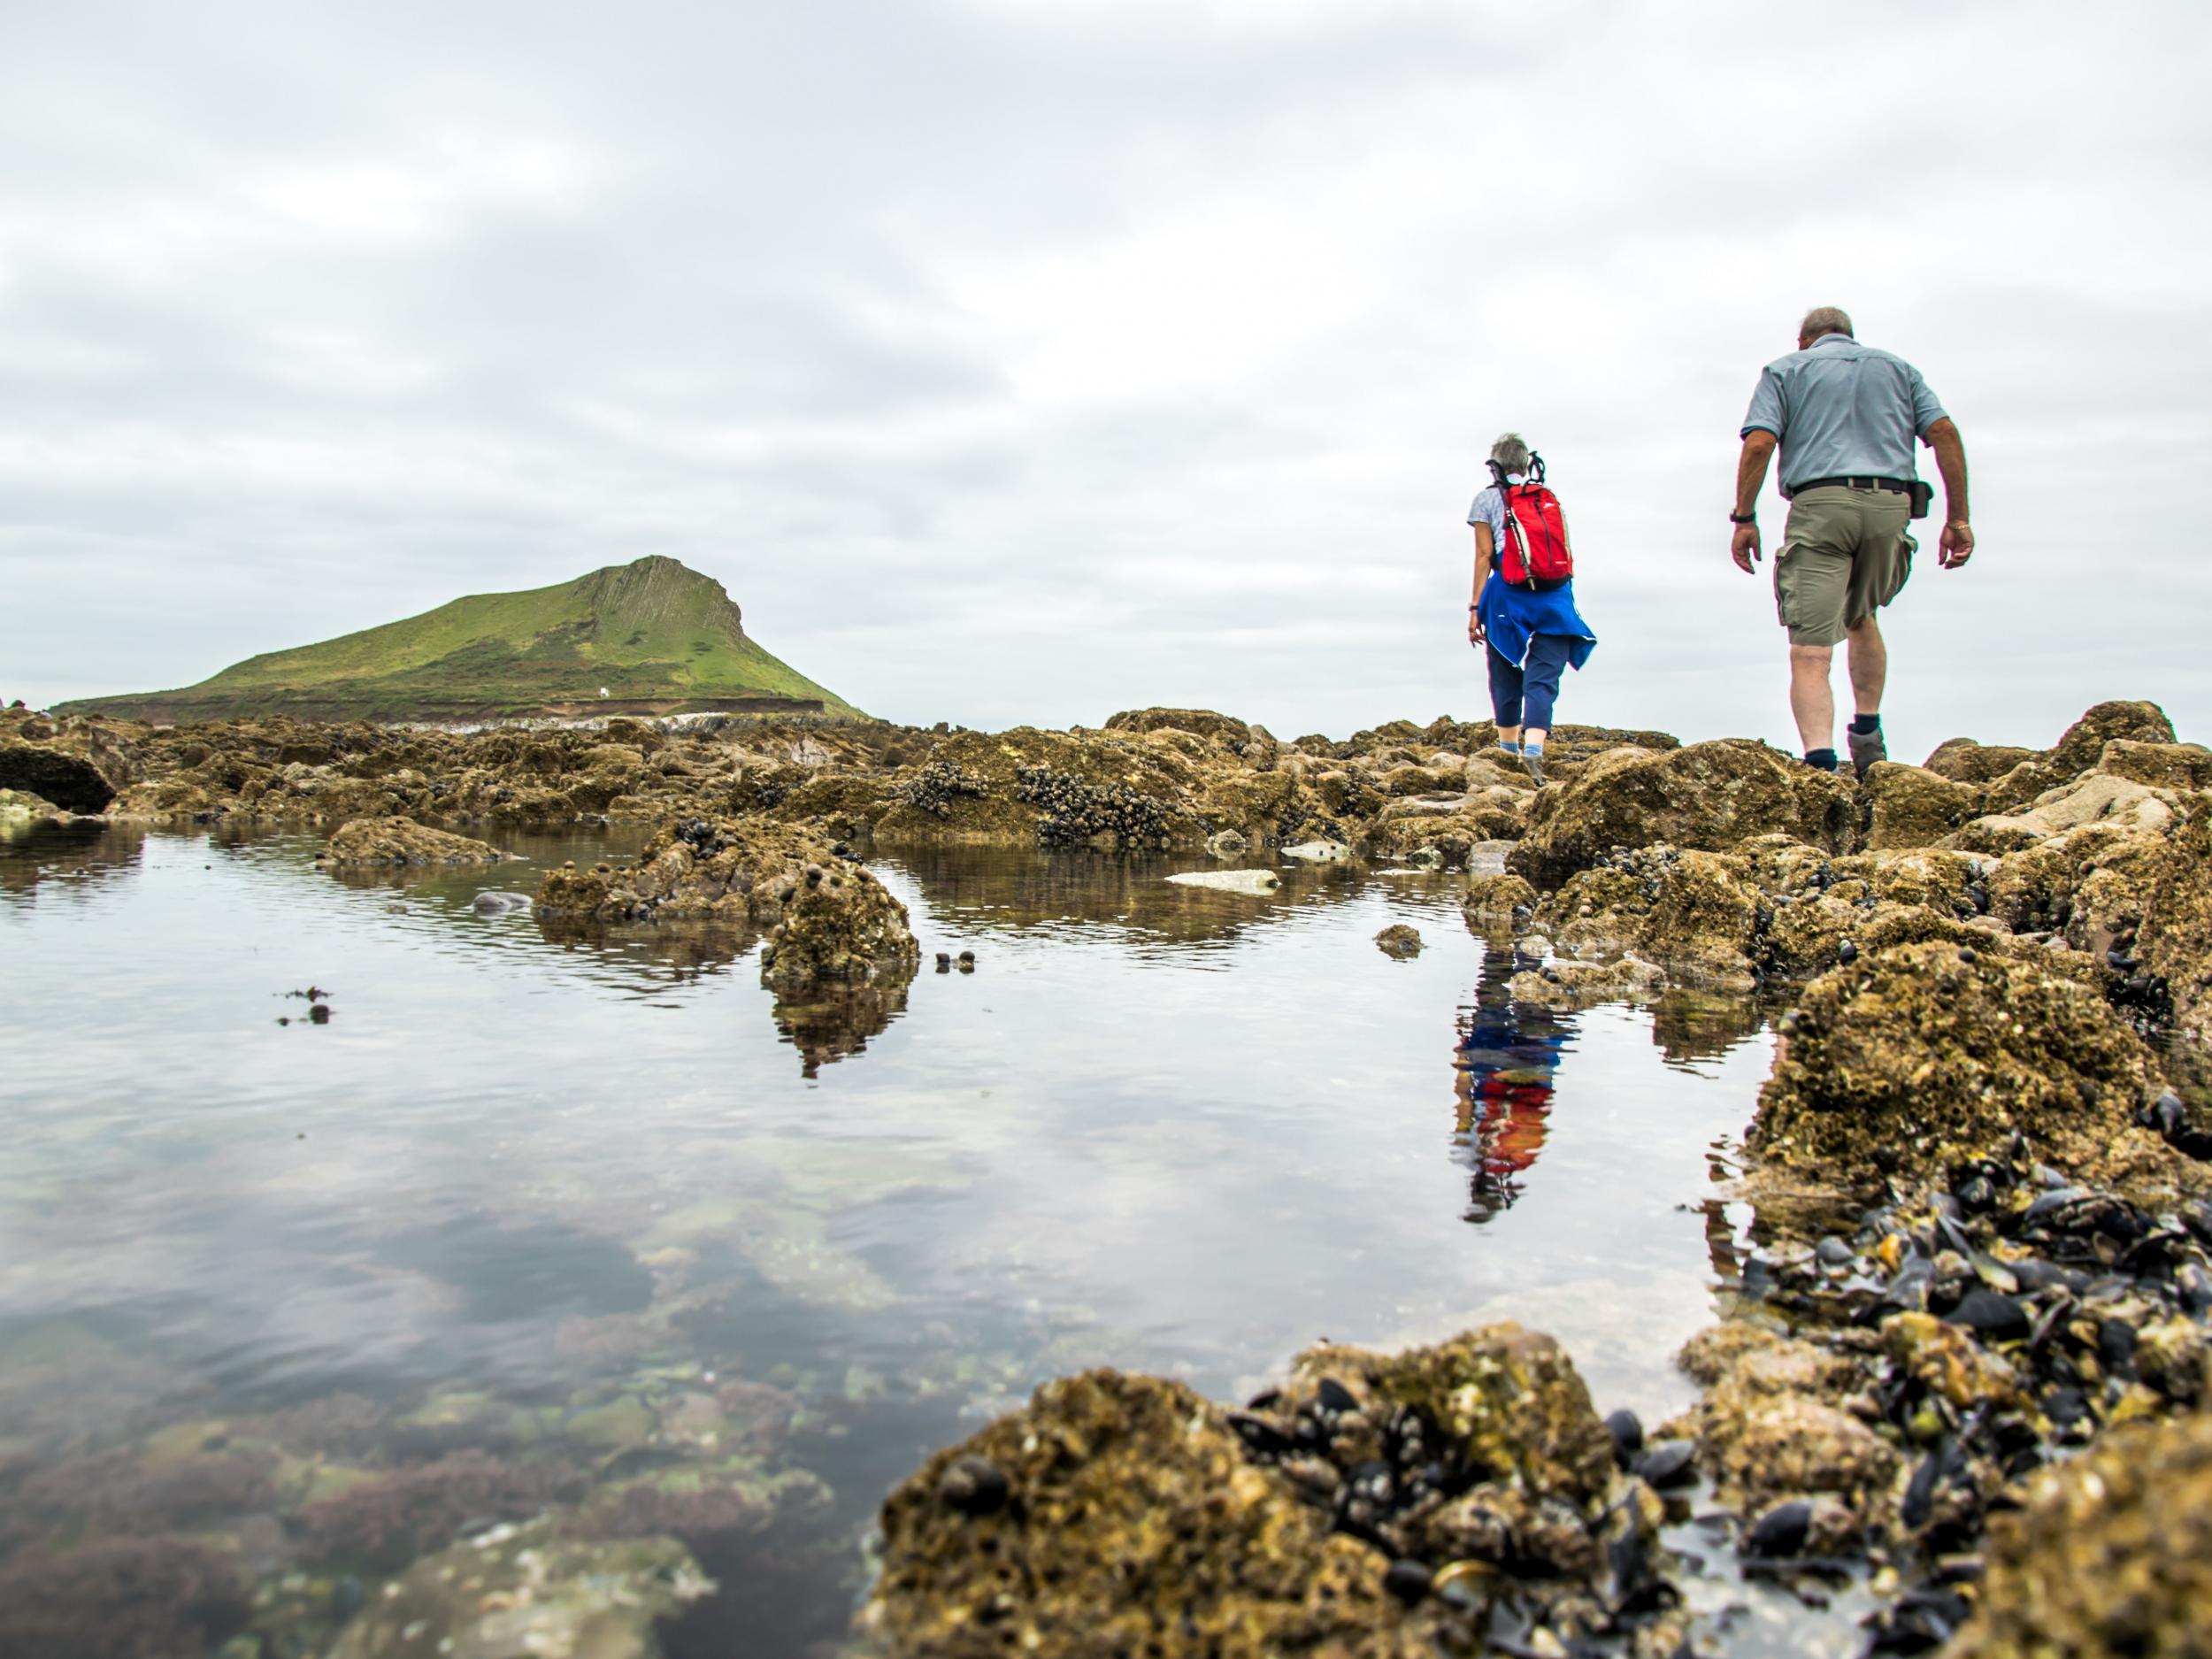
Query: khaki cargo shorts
x=1844 y=553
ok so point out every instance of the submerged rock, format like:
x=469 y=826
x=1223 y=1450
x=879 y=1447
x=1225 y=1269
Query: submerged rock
x=121 y=1598
x=2110 y=1554
x=1229 y=881
x=399 y=840
x=524 y=1593
x=1399 y=940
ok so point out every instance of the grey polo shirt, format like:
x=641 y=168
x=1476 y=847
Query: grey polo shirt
x=1842 y=410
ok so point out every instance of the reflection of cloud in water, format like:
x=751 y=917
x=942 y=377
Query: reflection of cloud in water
x=998 y=889
x=1505 y=1059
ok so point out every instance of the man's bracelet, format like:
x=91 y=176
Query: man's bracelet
x=1743 y=517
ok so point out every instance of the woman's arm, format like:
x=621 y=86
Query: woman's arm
x=1482 y=574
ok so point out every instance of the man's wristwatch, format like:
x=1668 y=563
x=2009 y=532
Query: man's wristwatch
x=1743 y=517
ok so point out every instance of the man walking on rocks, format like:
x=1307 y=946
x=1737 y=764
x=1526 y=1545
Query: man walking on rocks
x=1844 y=416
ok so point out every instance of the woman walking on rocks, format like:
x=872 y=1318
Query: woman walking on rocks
x=1523 y=616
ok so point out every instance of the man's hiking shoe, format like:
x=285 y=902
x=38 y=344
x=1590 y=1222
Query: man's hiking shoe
x=1866 y=748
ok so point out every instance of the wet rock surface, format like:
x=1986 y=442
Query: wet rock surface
x=396 y=841
x=1924 y=1056
x=1706 y=797
x=1120 y=1514
x=1436 y=1500
x=2111 y=1553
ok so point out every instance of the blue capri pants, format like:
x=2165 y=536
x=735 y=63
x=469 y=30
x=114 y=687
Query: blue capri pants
x=1525 y=695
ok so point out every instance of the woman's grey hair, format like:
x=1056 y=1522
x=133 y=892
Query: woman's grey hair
x=1511 y=452
x=1825 y=320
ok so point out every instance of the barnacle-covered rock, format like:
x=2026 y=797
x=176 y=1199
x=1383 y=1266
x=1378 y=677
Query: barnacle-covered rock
x=828 y=916
x=1962 y=760
x=2111 y=1553
x=1693 y=913
x=1121 y=1514
x=399 y=840
x=1494 y=902
x=2084 y=741
x=1911 y=806
x=2097 y=797
x=1922 y=1057
x=2174 y=942
x=1707 y=797
x=1767 y=1429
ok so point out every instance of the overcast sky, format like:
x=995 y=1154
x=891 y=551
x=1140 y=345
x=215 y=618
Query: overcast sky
x=1017 y=361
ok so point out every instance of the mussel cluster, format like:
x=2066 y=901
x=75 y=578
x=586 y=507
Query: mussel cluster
x=2003 y=1317
x=937 y=785
x=1512 y=1569
x=703 y=837
x=1075 y=811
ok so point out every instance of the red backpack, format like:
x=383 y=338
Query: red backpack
x=1534 y=554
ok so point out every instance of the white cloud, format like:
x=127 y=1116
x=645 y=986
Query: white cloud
x=1013 y=361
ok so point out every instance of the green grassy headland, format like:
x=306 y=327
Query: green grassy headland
x=655 y=636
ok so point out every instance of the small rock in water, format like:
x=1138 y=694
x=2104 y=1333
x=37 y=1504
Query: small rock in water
x=944 y=961
x=320 y=1014
x=1399 y=940
x=973 y=1486
x=1230 y=880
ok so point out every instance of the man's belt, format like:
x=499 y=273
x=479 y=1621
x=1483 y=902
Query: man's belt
x=1894 y=486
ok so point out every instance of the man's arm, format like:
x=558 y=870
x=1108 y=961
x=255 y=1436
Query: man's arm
x=1957 y=543
x=1751 y=477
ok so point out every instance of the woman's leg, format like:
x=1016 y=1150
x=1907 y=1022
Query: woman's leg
x=1547 y=661
x=1505 y=696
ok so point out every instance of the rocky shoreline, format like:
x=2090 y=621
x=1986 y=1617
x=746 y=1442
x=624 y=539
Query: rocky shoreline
x=1968 y=1354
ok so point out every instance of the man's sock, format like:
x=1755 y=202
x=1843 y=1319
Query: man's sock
x=1510 y=748
x=1824 y=758
x=1862 y=723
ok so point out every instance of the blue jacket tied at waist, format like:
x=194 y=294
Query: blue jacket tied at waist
x=1510 y=615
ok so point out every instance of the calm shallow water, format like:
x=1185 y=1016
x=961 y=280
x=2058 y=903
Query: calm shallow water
x=1162 y=1127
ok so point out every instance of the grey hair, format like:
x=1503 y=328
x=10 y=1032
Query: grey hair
x=1825 y=320
x=1511 y=452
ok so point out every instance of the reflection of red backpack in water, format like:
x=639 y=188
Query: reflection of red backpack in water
x=1535 y=553
x=1514 y=1125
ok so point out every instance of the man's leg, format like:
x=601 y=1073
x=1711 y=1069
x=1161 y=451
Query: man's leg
x=1868 y=659
x=1812 y=700
x=1812 y=579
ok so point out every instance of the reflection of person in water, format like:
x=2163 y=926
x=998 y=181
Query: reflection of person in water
x=1506 y=1055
